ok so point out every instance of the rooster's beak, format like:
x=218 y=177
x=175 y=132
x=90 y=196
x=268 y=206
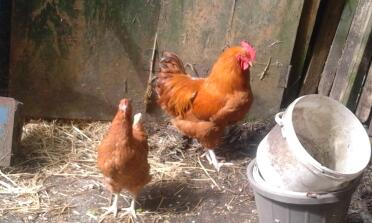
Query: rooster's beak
x=250 y=63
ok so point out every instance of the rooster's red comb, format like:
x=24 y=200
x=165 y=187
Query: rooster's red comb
x=249 y=49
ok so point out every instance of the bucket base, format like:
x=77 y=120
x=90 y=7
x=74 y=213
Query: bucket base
x=292 y=207
x=273 y=211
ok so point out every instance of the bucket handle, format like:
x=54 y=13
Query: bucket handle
x=279 y=118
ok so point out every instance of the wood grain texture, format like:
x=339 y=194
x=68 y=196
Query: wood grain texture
x=353 y=52
x=329 y=71
x=301 y=47
x=365 y=101
x=323 y=40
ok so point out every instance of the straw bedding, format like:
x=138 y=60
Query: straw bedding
x=55 y=177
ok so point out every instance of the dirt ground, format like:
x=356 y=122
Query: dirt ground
x=56 y=180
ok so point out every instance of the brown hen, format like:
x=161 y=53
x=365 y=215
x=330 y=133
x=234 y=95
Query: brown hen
x=122 y=156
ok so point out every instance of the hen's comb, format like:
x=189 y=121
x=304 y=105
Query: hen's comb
x=249 y=49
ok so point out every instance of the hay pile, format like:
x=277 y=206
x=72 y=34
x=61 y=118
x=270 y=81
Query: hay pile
x=55 y=150
x=56 y=173
x=49 y=149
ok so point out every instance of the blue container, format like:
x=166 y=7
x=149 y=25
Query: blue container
x=11 y=123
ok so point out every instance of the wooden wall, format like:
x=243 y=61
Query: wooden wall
x=77 y=58
x=73 y=59
x=335 y=59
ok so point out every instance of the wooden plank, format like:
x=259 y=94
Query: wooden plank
x=323 y=40
x=365 y=102
x=360 y=77
x=304 y=33
x=353 y=52
x=338 y=44
x=202 y=29
x=72 y=59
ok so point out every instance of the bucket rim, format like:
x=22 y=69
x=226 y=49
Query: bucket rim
x=301 y=198
x=310 y=161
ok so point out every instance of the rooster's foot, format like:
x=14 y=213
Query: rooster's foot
x=212 y=159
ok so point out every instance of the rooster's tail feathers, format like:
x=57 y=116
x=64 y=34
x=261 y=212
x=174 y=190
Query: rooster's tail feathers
x=170 y=63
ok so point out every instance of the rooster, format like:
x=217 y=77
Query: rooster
x=202 y=107
x=122 y=156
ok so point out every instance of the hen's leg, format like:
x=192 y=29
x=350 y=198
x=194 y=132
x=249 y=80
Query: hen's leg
x=113 y=208
x=131 y=210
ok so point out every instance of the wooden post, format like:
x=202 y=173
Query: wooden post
x=353 y=52
x=365 y=101
x=304 y=33
x=322 y=42
x=329 y=71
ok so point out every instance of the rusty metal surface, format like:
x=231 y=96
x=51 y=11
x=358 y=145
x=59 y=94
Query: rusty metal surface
x=71 y=59
x=11 y=123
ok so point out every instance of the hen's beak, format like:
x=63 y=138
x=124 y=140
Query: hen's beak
x=250 y=63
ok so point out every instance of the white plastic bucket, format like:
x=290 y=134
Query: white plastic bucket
x=318 y=145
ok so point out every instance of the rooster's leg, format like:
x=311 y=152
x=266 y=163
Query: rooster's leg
x=113 y=208
x=211 y=157
x=131 y=210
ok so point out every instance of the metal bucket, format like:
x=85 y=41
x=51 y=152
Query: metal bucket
x=282 y=206
x=318 y=145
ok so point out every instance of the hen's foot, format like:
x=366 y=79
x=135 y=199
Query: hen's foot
x=113 y=209
x=131 y=210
